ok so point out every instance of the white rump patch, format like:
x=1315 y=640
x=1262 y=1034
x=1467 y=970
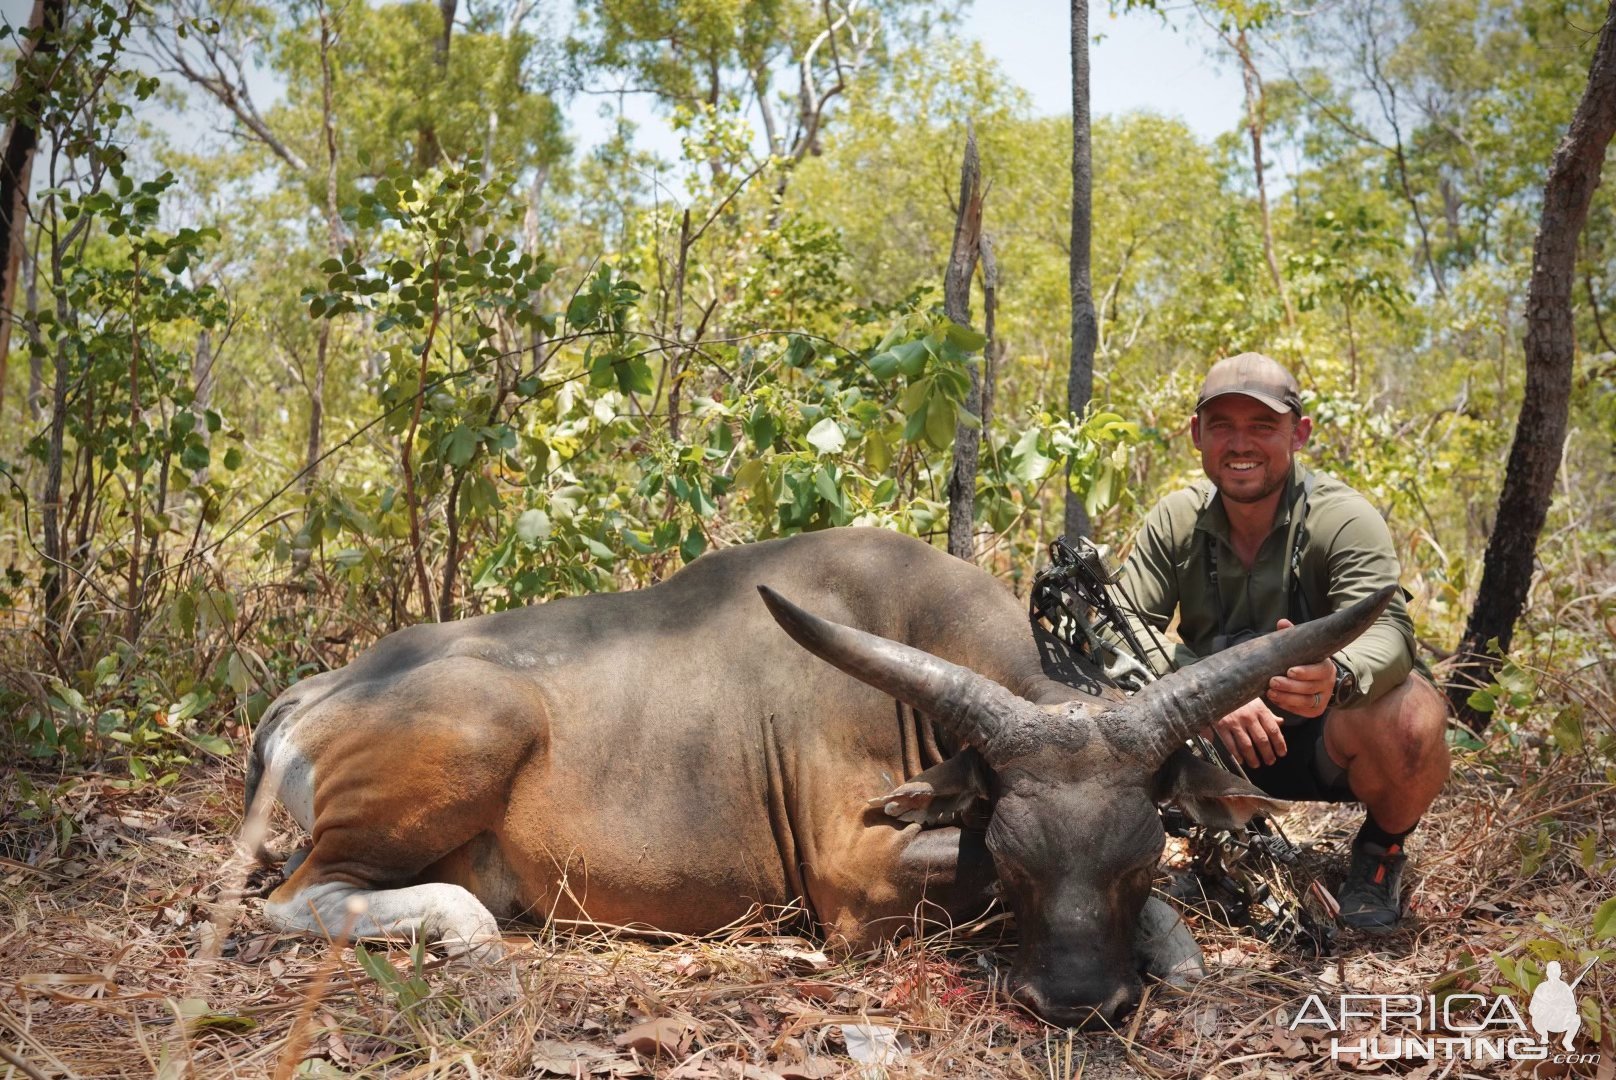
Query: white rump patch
x=289 y=774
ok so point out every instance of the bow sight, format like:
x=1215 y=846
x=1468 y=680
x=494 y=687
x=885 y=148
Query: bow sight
x=1242 y=877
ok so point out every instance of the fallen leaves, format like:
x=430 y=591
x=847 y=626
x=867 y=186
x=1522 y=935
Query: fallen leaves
x=665 y=1037
x=576 y=1059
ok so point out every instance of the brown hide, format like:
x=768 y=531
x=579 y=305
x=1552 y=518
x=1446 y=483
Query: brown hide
x=664 y=758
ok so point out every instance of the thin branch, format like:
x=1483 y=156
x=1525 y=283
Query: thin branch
x=229 y=89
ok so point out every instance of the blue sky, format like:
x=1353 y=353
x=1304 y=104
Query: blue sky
x=1138 y=64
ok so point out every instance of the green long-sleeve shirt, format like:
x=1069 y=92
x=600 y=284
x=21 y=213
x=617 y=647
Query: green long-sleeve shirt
x=1346 y=553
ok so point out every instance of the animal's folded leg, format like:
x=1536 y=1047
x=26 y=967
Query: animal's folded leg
x=436 y=911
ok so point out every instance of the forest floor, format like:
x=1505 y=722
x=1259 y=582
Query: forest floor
x=105 y=966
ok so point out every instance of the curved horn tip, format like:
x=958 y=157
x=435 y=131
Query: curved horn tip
x=775 y=602
x=793 y=619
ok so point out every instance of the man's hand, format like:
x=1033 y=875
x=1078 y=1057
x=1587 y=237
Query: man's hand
x=1304 y=690
x=1252 y=734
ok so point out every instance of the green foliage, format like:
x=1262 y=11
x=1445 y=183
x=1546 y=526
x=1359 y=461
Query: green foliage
x=129 y=469
x=400 y=97
x=1093 y=453
x=405 y=992
x=1340 y=263
x=1578 y=949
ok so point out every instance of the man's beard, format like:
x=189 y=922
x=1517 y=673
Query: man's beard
x=1277 y=484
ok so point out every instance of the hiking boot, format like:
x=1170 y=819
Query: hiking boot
x=1371 y=894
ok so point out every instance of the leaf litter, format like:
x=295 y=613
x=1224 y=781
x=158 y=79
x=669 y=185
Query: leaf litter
x=105 y=967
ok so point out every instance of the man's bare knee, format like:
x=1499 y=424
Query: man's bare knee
x=1402 y=733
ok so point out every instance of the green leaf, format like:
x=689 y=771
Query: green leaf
x=634 y=376
x=1604 y=925
x=185 y=613
x=762 y=428
x=883 y=365
x=915 y=427
x=232 y=458
x=583 y=311
x=750 y=473
x=106 y=670
x=693 y=545
x=916 y=394
x=486 y=576
x=825 y=484
x=1482 y=701
x=799 y=352
x=1102 y=493
x=827 y=436
x=1027 y=462
x=462 y=444
x=1568 y=730
x=1591 y=1018
x=237 y=673
x=533 y=526
x=212 y=744
x=380 y=971
x=966 y=338
x=940 y=423
x=911 y=357
x=699 y=501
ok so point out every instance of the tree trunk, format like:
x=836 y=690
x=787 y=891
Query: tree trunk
x=336 y=236
x=957 y=304
x=16 y=165
x=1080 y=375
x=36 y=351
x=992 y=350
x=51 y=497
x=316 y=387
x=1255 y=121
x=202 y=391
x=136 y=593
x=1534 y=457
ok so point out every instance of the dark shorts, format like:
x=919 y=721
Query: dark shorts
x=1306 y=772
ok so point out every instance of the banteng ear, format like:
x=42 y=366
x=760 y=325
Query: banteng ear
x=941 y=795
x=1211 y=796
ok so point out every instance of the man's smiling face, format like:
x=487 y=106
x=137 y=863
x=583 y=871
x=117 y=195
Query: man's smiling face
x=1246 y=447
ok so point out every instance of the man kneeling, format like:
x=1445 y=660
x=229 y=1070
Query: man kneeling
x=1262 y=543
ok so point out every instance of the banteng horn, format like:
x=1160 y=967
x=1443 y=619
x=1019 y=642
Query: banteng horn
x=972 y=708
x=1165 y=713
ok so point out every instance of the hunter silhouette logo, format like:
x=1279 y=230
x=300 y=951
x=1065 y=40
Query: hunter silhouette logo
x=1554 y=1005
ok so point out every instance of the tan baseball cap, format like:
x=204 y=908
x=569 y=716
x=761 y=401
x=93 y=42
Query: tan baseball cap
x=1255 y=376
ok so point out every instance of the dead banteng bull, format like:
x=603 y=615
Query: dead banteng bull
x=668 y=759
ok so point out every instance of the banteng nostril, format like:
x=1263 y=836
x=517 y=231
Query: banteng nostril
x=1028 y=995
x=1101 y=1014
x=1120 y=1001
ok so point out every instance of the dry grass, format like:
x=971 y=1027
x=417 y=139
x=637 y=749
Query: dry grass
x=104 y=967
